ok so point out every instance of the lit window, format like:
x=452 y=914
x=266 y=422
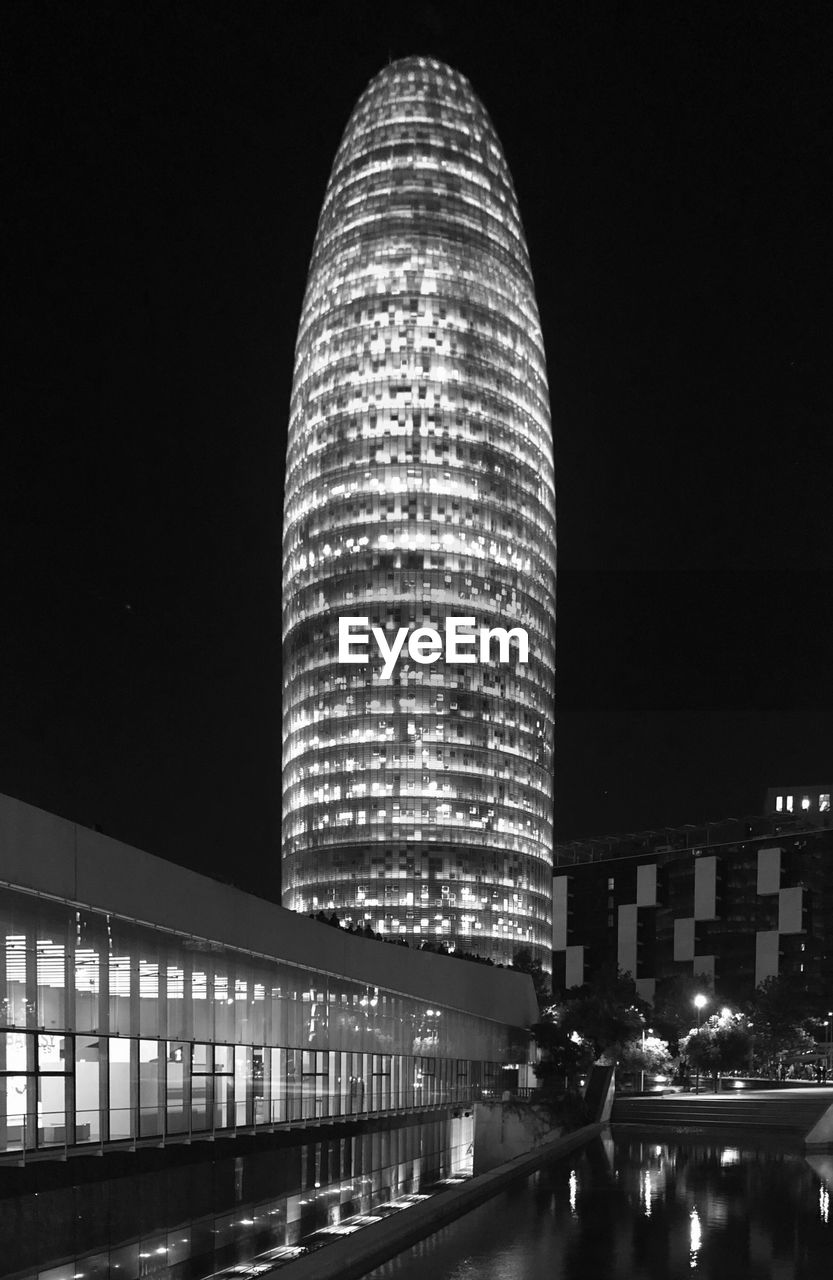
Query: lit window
x=805 y=802
x=779 y=803
x=789 y=804
x=824 y=802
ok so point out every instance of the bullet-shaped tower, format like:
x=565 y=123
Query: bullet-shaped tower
x=419 y=486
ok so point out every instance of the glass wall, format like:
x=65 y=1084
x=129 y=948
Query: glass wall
x=112 y=1031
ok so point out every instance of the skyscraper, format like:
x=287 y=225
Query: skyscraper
x=419 y=486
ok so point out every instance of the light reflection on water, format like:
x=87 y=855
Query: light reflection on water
x=627 y=1210
x=696 y=1238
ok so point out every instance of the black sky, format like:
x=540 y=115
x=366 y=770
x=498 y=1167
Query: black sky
x=167 y=164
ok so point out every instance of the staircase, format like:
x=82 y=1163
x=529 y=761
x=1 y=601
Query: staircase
x=777 y=1111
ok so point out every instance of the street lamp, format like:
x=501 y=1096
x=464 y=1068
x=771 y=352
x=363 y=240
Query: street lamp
x=642 y=1072
x=700 y=1002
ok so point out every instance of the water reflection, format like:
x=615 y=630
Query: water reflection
x=637 y=1211
x=199 y=1218
x=617 y=1209
x=696 y=1238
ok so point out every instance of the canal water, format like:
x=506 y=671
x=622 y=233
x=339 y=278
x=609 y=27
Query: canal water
x=639 y=1210
x=636 y=1210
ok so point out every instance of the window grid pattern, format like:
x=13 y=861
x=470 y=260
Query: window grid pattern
x=419 y=485
x=178 y=1036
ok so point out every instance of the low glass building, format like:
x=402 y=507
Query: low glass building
x=142 y=1003
x=420 y=486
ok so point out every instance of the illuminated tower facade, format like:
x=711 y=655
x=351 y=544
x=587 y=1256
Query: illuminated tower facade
x=419 y=485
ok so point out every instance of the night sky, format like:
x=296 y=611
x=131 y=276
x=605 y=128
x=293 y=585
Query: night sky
x=168 y=162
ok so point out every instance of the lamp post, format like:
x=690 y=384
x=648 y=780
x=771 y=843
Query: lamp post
x=751 y=1025
x=642 y=1072
x=700 y=1002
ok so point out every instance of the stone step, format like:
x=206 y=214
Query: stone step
x=788 y=1114
x=704 y=1125
x=722 y=1106
x=774 y=1114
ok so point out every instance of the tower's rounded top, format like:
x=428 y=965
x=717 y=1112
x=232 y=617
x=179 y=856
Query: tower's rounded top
x=422 y=80
x=416 y=65
x=420 y=156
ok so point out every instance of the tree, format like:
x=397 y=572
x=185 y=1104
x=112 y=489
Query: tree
x=607 y=1013
x=722 y=1043
x=523 y=961
x=778 y=1013
x=674 y=1004
x=652 y=1056
x=564 y=1055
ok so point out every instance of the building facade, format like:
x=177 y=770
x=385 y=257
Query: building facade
x=419 y=486
x=808 y=803
x=736 y=902
x=143 y=1004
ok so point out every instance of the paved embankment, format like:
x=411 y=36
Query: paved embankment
x=801 y=1113
x=355 y=1255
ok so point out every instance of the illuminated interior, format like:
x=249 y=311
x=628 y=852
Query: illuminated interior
x=420 y=484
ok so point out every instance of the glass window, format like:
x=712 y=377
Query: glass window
x=201 y=1005
x=122 y=1058
x=15 y=1133
x=151 y=1088
x=87 y=975
x=149 y=1023
x=16 y=1090
x=224 y=1058
x=14 y=1005
x=87 y=1089
x=178 y=1081
x=201 y=1059
x=259 y=1086
x=52 y=1119
x=175 y=1003
x=243 y=1109
x=315 y=1087
x=294 y=1074
x=381 y=1082
x=120 y=992
x=54 y=1059
x=52 y=1053
x=223 y=1085
x=277 y=1084
x=201 y=1086
x=334 y=1084
x=16 y=1051
x=51 y=965
x=223 y=1008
